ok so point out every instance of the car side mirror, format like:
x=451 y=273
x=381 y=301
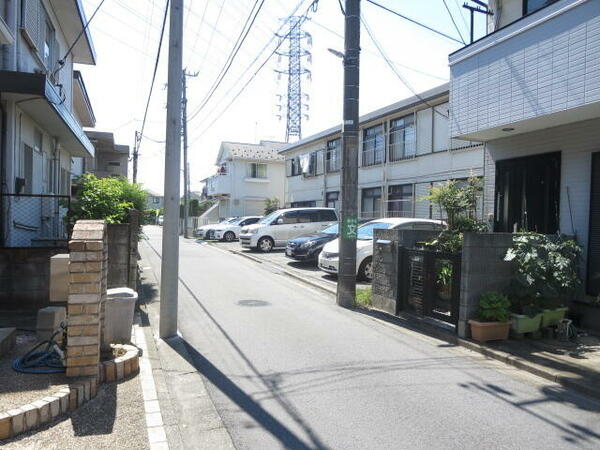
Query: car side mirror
x=279 y=221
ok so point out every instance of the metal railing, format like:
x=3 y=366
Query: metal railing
x=401 y=150
x=34 y=220
x=373 y=156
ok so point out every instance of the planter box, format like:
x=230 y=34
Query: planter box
x=553 y=316
x=525 y=324
x=489 y=331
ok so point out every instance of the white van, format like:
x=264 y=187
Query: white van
x=280 y=226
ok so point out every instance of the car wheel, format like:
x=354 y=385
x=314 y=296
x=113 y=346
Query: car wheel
x=229 y=236
x=265 y=244
x=366 y=270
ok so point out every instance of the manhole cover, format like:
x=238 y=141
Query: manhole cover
x=253 y=303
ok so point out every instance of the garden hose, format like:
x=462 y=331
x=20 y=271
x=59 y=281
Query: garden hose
x=49 y=360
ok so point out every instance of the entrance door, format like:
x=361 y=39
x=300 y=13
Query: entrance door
x=593 y=263
x=528 y=194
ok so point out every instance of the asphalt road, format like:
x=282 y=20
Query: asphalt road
x=286 y=368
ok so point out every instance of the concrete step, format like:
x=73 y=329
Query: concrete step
x=7 y=339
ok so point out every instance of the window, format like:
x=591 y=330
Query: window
x=373 y=151
x=326 y=215
x=289 y=217
x=293 y=167
x=114 y=163
x=402 y=138
x=38 y=139
x=530 y=6
x=155 y=200
x=257 y=170
x=304 y=204
x=249 y=221
x=315 y=163
x=28 y=168
x=331 y=199
x=333 y=155
x=370 y=206
x=308 y=216
x=400 y=201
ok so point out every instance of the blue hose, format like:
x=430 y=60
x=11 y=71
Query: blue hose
x=46 y=361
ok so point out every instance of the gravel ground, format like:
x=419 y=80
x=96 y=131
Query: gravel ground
x=18 y=389
x=115 y=419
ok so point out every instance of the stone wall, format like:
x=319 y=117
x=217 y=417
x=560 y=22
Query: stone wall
x=25 y=277
x=483 y=269
x=386 y=265
x=123 y=253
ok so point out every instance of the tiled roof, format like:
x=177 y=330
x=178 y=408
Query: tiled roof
x=265 y=150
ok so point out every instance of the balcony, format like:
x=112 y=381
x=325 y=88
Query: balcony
x=538 y=72
x=218 y=185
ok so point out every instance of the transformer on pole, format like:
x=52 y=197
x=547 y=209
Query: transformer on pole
x=298 y=59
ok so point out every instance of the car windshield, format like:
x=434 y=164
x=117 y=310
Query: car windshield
x=230 y=220
x=269 y=218
x=332 y=229
x=365 y=232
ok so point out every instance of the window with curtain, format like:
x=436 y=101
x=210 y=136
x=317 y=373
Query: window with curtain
x=402 y=138
x=373 y=151
x=333 y=155
x=400 y=201
x=257 y=170
x=370 y=205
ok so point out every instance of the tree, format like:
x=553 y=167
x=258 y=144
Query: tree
x=109 y=199
x=271 y=205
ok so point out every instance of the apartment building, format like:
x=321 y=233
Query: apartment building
x=111 y=159
x=44 y=106
x=246 y=176
x=530 y=90
x=404 y=150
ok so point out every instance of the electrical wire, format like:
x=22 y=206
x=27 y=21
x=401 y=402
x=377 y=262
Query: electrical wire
x=258 y=4
x=158 y=51
x=455 y=25
x=391 y=65
x=299 y=23
x=416 y=22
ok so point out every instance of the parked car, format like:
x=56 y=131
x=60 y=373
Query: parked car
x=308 y=246
x=202 y=230
x=282 y=225
x=329 y=257
x=230 y=231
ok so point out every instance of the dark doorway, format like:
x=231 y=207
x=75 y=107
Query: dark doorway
x=528 y=194
x=593 y=265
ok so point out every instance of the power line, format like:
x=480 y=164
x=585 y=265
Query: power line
x=416 y=22
x=264 y=63
x=398 y=74
x=455 y=25
x=464 y=21
x=240 y=41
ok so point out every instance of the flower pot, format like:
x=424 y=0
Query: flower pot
x=489 y=331
x=553 y=316
x=525 y=324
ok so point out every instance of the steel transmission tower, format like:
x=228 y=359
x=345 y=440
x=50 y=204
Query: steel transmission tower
x=298 y=59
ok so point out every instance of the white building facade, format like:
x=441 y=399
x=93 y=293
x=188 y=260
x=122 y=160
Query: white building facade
x=44 y=106
x=404 y=150
x=247 y=175
x=530 y=90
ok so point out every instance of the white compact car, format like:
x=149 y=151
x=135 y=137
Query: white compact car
x=329 y=257
x=230 y=231
x=201 y=231
x=280 y=226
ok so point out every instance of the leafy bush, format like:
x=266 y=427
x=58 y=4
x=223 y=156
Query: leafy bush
x=494 y=307
x=547 y=269
x=271 y=205
x=363 y=297
x=109 y=199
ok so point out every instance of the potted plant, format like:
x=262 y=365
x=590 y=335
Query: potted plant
x=493 y=323
x=547 y=272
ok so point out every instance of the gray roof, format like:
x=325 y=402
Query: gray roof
x=410 y=102
x=265 y=150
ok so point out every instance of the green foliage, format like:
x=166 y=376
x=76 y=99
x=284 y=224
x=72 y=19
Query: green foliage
x=494 y=307
x=458 y=203
x=363 y=297
x=271 y=205
x=106 y=198
x=547 y=269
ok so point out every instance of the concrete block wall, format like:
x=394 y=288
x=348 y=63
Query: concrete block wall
x=87 y=290
x=123 y=253
x=483 y=269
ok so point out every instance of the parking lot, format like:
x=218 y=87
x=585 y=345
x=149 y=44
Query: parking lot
x=306 y=271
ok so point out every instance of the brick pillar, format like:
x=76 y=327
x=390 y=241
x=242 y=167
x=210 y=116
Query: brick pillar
x=87 y=290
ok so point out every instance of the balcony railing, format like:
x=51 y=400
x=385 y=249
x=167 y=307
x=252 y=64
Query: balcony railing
x=402 y=150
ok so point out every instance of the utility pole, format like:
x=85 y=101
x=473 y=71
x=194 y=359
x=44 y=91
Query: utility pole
x=170 y=240
x=186 y=166
x=136 y=145
x=346 y=286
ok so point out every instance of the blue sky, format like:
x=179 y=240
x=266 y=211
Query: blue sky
x=126 y=33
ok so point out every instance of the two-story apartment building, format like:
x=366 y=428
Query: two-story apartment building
x=530 y=90
x=111 y=159
x=404 y=150
x=44 y=106
x=247 y=175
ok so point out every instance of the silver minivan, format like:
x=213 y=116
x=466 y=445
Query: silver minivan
x=282 y=225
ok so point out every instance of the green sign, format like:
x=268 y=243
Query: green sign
x=349 y=227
